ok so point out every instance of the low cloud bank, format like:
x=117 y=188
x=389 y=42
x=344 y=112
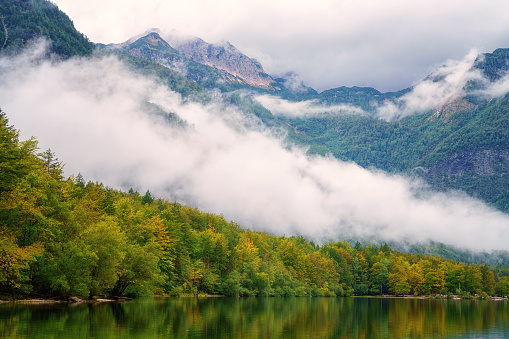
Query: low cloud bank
x=445 y=84
x=92 y=113
x=302 y=109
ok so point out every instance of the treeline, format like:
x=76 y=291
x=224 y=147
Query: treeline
x=68 y=237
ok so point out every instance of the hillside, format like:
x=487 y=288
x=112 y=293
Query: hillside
x=462 y=145
x=23 y=22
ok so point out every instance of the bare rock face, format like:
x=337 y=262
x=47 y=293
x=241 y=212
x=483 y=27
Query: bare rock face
x=473 y=163
x=220 y=62
x=224 y=57
x=452 y=107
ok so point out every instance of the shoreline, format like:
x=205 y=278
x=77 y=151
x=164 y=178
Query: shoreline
x=76 y=300
x=430 y=297
x=70 y=300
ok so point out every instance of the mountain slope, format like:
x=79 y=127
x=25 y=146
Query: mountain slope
x=209 y=66
x=461 y=145
x=493 y=65
x=466 y=148
x=23 y=21
x=226 y=58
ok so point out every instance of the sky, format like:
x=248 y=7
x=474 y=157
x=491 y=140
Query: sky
x=92 y=114
x=388 y=45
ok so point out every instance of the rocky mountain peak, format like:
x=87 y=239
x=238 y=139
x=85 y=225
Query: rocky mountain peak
x=223 y=56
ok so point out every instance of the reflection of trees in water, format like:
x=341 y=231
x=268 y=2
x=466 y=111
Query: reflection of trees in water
x=120 y=314
x=256 y=317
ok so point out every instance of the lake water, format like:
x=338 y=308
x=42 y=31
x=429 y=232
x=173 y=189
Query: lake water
x=259 y=318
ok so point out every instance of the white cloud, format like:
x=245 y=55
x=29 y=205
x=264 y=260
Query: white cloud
x=90 y=112
x=497 y=88
x=300 y=109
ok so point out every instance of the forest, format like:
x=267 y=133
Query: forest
x=62 y=237
x=23 y=22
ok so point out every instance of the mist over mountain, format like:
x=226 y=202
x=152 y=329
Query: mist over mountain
x=204 y=124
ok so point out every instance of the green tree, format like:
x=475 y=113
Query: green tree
x=380 y=276
x=106 y=240
x=398 y=279
x=147 y=198
x=67 y=268
x=51 y=165
x=16 y=158
x=231 y=286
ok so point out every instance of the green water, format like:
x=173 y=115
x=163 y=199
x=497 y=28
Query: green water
x=259 y=318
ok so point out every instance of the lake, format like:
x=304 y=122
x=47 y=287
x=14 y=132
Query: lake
x=161 y=317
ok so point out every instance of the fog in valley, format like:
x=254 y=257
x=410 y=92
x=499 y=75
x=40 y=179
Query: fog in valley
x=99 y=119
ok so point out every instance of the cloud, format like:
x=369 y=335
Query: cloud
x=92 y=114
x=384 y=44
x=497 y=88
x=300 y=109
x=444 y=84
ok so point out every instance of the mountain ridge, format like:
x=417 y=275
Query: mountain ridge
x=222 y=62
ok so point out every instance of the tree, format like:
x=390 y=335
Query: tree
x=380 y=276
x=67 y=268
x=79 y=181
x=416 y=279
x=147 y=198
x=17 y=158
x=15 y=264
x=138 y=272
x=488 y=280
x=398 y=279
x=502 y=287
x=51 y=165
x=245 y=253
x=231 y=286
x=360 y=271
x=106 y=240
x=471 y=278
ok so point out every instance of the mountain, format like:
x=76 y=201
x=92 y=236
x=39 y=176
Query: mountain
x=210 y=66
x=461 y=145
x=224 y=57
x=24 y=21
x=493 y=65
x=152 y=56
x=367 y=98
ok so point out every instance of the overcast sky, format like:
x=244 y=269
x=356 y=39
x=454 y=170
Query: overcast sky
x=387 y=44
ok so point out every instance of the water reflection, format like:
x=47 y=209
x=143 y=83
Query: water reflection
x=259 y=318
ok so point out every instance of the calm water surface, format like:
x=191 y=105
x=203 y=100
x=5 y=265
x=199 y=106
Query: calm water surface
x=259 y=318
